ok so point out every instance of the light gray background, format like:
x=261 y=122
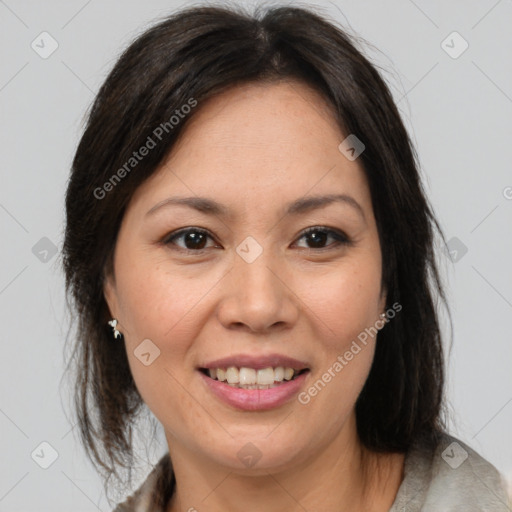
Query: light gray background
x=458 y=111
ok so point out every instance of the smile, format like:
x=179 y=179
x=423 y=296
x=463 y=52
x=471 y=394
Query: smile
x=254 y=390
x=251 y=378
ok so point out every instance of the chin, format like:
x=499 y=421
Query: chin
x=258 y=454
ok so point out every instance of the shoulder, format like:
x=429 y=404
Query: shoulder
x=450 y=476
x=154 y=493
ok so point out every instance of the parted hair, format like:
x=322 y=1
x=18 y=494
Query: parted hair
x=197 y=53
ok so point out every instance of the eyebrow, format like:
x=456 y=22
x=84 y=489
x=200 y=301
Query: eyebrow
x=298 y=207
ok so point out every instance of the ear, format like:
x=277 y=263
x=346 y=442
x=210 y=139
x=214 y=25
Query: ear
x=110 y=294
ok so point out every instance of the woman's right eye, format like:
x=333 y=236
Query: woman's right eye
x=194 y=239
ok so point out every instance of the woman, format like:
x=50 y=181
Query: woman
x=250 y=254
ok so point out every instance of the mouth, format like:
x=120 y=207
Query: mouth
x=254 y=389
x=253 y=378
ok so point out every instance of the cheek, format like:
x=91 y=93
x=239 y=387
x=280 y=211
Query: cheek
x=345 y=302
x=343 y=307
x=157 y=303
x=162 y=307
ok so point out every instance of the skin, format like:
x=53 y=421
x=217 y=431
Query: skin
x=255 y=149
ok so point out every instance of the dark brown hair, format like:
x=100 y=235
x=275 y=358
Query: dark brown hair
x=196 y=54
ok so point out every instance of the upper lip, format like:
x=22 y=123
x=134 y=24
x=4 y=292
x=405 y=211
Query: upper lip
x=257 y=362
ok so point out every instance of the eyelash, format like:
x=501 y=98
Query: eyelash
x=340 y=238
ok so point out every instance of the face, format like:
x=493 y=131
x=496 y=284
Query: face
x=264 y=275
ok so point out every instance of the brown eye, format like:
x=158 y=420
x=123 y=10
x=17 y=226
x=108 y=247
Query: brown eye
x=193 y=239
x=318 y=236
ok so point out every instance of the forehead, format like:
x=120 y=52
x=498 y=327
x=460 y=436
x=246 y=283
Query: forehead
x=258 y=140
x=280 y=117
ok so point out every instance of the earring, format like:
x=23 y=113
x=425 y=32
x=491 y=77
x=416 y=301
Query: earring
x=383 y=315
x=113 y=324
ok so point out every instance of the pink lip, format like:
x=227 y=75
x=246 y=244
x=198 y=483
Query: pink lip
x=257 y=362
x=255 y=399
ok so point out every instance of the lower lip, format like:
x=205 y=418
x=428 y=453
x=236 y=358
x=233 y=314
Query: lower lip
x=255 y=399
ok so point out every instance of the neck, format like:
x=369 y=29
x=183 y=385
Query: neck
x=341 y=476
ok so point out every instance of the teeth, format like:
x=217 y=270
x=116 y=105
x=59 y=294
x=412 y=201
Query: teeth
x=288 y=374
x=232 y=375
x=248 y=377
x=251 y=378
x=264 y=377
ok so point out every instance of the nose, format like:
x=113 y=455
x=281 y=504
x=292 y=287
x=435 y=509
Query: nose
x=258 y=297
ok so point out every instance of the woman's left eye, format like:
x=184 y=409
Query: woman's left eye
x=195 y=239
x=319 y=235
